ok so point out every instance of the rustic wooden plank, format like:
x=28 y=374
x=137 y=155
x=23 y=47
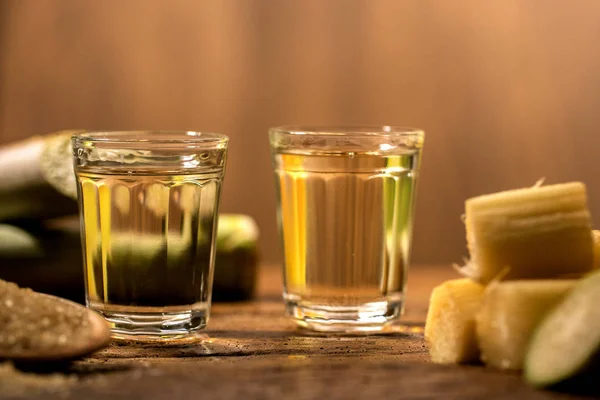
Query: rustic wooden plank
x=252 y=351
x=319 y=377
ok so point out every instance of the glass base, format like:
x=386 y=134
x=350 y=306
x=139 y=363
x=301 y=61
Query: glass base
x=152 y=324
x=370 y=317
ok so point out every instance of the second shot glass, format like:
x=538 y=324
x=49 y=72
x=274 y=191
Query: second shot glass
x=345 y=211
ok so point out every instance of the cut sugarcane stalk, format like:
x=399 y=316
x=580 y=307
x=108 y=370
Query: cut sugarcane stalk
x=236 y=262
x=510 y=312
x=539 y=232
x=450 y=325
x=567 y=341
x=235 y=271
x=596 y=237
x=36 y=178
x=48 y=258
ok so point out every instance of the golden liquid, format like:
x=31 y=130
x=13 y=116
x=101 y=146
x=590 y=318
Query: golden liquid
x=147 y=239
x=346 y=225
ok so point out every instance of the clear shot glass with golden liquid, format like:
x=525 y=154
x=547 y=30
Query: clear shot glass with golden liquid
x=345 y=212
x=148 y=208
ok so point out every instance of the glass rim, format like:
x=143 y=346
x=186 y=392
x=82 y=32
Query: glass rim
x=355 y=131
x=167 y=137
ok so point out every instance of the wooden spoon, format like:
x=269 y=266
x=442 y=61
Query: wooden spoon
x=98 y=336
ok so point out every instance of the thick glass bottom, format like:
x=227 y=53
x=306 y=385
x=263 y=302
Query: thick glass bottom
x=153 y=323
x=369 y=317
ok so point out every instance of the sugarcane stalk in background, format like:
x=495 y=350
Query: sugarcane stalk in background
x=236 y=261
x=37 y=183
x=36 y=178
x=47 y=257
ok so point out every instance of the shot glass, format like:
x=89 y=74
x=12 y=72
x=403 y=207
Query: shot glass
x=345 y=212
x=148 y=210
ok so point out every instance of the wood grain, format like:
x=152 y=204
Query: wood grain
x=251 y=351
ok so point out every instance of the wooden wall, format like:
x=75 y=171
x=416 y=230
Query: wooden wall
x=507 y=91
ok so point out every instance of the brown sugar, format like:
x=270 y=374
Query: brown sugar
x=31 y=321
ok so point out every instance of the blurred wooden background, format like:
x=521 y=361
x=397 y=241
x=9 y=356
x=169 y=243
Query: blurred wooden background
x=507 y=91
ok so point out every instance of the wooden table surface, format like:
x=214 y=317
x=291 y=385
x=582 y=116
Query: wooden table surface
x=253 y=352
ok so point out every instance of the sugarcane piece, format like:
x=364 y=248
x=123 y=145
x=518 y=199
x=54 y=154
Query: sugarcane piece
x=567 y=341
x=36 y=178
x=450 y=325
x=146 y=271
x=45 y=257
x=48 y=258
x=533 y=233
x=596 y=237
x=236 y=261
x=510 y=312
